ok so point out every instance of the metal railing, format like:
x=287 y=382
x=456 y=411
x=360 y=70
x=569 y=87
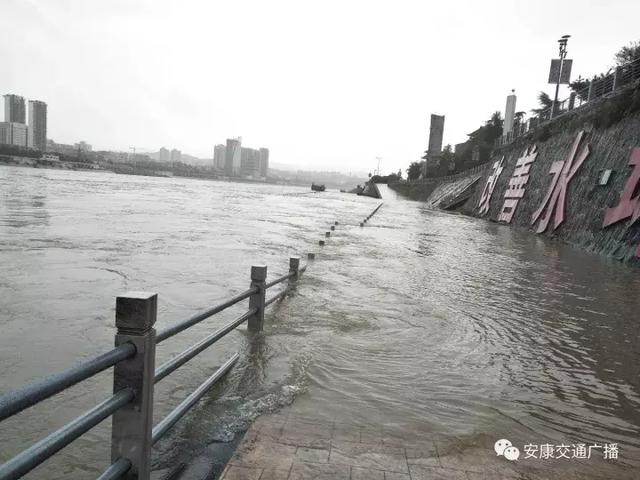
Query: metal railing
x=447 y=178
x=599 y=86
x=134 y=377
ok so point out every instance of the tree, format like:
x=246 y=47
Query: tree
x=480 y=141
x=545 y=102
x=448 y=158
x=414 y=170
x=628 y=53
x=581 y=88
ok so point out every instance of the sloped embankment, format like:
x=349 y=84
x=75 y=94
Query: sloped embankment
x=576 y=179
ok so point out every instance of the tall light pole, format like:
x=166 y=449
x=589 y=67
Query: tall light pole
x=378 y=169
x=562 y=44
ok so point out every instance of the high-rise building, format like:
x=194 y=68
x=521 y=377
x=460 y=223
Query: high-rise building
x=233 y=157
x=13 y=133
x=250 y=162
x=509 y=113
x=37 y=125
x=244 y=160
x=264 y=162
x=436 y=132
x=218 y=156
x=165 y=155
x=176 y=155
x=83 y=146
x=14 y=109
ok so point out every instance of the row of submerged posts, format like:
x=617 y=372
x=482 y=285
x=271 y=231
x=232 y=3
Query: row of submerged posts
x=134 y=377
x=370 y=215
x=327 y=234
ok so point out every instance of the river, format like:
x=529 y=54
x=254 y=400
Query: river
x=421 y=320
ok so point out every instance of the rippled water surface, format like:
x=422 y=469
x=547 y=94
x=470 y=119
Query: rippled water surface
x=421 y=321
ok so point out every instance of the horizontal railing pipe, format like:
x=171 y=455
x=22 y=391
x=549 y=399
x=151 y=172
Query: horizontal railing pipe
x=170 y=420
x=179 y=360
x=179 y=327
x=274 y=298
x=29 y=395
x=32 y=457
x=278 y=280
x=116 y=470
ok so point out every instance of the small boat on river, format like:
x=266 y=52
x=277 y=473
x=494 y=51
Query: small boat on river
x=317 y=188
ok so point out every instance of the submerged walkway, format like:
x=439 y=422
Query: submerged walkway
x=292 y=446
x=288 y=446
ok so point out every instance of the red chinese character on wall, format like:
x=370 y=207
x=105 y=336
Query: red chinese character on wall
x=517 y=185
x=628 y=206
x=487 y=193
x=563 y=171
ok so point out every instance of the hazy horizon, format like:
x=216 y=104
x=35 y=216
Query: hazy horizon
x=327 y=86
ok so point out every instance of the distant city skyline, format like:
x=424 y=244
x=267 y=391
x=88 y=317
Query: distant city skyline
x=319 y=96
x=17 y=129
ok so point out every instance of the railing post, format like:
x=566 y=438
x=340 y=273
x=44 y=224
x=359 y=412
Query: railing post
x=294 y=267
x=615 y=80
x=131 y=425
x=590 y=93
x=258 y=278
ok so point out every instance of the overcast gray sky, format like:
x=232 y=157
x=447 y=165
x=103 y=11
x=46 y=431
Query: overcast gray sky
x=329 y=84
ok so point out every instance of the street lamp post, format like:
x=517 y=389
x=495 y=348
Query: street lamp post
x=562 y=44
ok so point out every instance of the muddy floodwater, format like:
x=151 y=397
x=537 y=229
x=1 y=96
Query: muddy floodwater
x=421 y=321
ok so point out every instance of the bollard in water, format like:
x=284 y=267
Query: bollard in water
x=258 y=278
x=131 y=425
x=336 y=222
x=294 y=267
x=311 y=256
x=321 y=243
x=362 y=224
x=332 y=227
x=327 y=234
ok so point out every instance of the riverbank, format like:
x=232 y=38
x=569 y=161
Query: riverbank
x=574 y=179
x=127 y=169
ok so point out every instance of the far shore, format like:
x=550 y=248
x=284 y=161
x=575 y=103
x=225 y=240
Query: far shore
x=128 y=169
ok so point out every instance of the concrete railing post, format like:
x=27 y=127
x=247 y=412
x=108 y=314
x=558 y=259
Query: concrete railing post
x=294 y=267
x=615 y=80
x=590 y=93
x=258 y=280
x=132 y=424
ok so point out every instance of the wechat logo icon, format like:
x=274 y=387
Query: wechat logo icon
x=504 y=447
